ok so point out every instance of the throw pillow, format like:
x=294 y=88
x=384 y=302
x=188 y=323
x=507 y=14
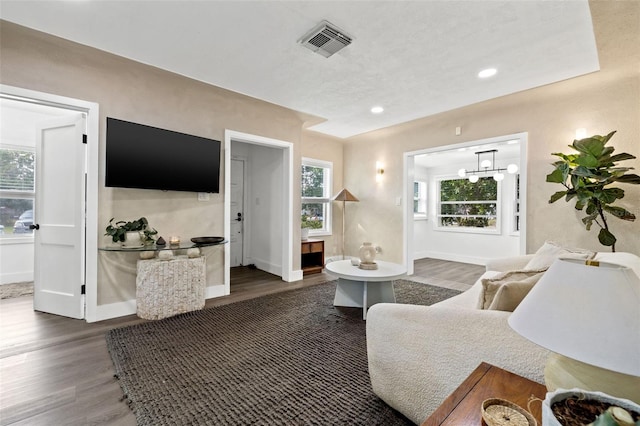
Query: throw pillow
x=551 y=251
x=509 y=295
x=491 y=286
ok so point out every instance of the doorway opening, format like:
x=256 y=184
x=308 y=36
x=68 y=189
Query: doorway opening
x=35 y=129
x=489 y=222
x=262 y=238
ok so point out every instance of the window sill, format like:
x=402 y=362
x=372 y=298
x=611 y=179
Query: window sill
x=9 y=239
x=420 y=218
x=469 y=230
x=320 y=234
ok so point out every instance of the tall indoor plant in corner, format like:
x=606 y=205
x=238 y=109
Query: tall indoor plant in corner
x=588 y=176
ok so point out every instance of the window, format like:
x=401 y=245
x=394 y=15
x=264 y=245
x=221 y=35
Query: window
x=468 y=207
x=316 y=196
x=419 y=200
x=516 y=210
x=17 y=190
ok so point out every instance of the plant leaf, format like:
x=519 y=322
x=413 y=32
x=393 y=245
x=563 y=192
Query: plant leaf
x=629 y=178
x=555 y=197
x=588 y=161
x=591 y=146
x=606 y=238
x=556 y=176
x=619 y=212
x=622 y=157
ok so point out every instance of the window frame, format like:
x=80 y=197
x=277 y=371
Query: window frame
x=467 y=229
x=423 y=193
x=326 y=197
x=19 y=194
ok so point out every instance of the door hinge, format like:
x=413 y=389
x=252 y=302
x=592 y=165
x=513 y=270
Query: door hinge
x=84 y=139
x=83 y=289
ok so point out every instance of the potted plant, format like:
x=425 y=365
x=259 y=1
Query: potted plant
x=133 y=233
x=577 y=407
x=588 y=176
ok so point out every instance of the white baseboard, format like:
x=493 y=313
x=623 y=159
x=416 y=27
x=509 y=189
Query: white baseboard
x=115 y=310
x=16 y=277
x=268 y=267
x=295 y=276
x=475 y=260
x=129 y=307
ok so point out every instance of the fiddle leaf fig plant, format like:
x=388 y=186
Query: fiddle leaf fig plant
x=587 y=177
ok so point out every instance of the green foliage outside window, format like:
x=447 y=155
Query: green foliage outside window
x=467 y=204
x=17 y=170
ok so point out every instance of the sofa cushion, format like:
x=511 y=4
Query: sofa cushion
x=517 y=285
x=550 y=251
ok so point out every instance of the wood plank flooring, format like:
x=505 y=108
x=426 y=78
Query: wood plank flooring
x=57 y=371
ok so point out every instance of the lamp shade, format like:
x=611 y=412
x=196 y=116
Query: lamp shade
x=345 y=195
x=585 y=312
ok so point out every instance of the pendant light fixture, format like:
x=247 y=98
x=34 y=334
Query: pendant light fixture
x=488 y=166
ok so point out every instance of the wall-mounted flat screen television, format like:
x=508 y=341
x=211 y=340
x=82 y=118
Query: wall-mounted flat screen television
x=140 y=156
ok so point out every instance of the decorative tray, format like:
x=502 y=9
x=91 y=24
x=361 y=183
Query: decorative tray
x=207 y=240
x=500 y=412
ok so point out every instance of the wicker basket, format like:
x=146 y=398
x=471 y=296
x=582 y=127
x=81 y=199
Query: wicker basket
x=500 y=412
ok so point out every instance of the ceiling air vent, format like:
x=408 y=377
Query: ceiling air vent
x=325 y=39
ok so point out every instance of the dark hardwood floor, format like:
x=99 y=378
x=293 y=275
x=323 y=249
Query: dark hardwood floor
x=57 y=371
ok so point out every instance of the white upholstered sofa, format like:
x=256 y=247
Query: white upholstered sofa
x=419 y=354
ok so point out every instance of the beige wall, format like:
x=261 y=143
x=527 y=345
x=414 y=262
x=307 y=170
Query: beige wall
x=600 y=102
x=140 y=93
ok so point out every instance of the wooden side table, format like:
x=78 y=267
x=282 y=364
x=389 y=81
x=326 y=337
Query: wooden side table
x=463 y=406
x=312 y=256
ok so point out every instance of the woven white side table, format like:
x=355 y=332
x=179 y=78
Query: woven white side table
x=165 y=288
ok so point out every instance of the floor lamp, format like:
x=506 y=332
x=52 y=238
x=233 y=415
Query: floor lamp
x=344 y=196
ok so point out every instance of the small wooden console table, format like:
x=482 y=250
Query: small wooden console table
x=463 y=406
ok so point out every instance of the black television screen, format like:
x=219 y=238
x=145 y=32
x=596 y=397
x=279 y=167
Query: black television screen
x=140 y=156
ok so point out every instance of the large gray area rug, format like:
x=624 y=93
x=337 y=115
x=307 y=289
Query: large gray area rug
x=9 y=291
x=290 y=358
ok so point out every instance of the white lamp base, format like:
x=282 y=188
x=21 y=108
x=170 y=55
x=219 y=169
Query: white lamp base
x=565 y=373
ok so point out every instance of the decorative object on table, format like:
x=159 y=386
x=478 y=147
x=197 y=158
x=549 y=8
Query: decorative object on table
x=193 y=252
x=130 y=234
x=367 y=254
x=161 y=242
x=500 y=412
x=165 y=255
x=578 y=407
x=304 y=233
x=344 y=196
x=174 y=241
x=587 y=177
x=207 y=240
x=147 y=254
x=355 y=261
x=590 y=320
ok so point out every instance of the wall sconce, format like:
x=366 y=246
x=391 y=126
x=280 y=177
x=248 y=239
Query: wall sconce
x=379 y=171
x=581 y=133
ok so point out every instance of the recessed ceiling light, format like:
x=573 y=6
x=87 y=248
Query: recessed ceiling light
x=489 y=72
x=377 y=110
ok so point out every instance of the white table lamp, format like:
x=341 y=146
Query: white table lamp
x=588 y=313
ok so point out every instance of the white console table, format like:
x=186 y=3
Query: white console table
x=170 y=287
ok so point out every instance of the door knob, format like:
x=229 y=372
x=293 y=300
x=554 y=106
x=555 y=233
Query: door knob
x=36 y=226
x=239 y=218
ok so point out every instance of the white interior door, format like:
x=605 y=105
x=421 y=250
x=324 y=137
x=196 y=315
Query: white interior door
x=59 y=237
x=237 y=212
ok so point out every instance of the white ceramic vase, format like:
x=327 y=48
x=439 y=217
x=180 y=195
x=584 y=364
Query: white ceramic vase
x=304 y=234
x=367 y=253
x=132 y=239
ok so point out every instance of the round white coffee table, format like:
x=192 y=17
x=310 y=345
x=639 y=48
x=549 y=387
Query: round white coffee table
x=360 y=288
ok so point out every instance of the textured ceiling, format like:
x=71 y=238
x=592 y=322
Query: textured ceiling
x=414 y=58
